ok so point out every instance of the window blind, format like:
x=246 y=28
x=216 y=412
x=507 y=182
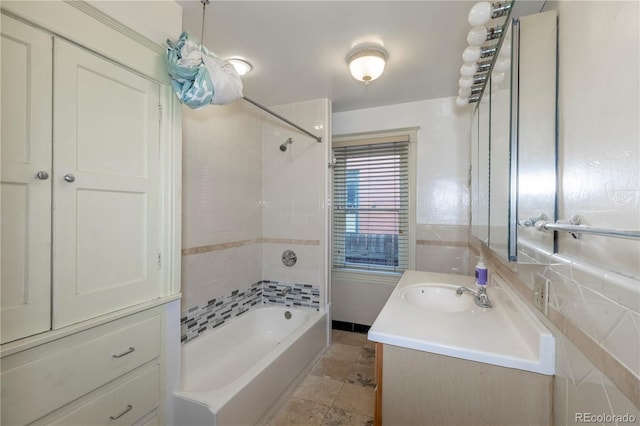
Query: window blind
x=371 y=205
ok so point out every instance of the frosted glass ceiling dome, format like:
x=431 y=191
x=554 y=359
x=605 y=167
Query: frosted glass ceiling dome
x=367 y=64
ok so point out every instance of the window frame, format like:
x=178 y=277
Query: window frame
x=380 y=137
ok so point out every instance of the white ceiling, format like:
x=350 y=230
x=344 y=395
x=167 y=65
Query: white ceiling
x=299 y=48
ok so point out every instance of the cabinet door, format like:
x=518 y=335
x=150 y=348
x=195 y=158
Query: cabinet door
x=25 y=260
x=105 y=188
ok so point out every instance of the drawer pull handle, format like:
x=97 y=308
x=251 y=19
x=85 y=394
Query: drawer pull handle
x=127 y=352
x=126 y=410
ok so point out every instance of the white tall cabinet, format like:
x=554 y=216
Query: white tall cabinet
x=26 y=92
x=106 y=186
x=90 y=253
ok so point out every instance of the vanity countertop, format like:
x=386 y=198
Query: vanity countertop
x=508 y=335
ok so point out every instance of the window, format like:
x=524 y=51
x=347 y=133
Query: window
x=371 y=204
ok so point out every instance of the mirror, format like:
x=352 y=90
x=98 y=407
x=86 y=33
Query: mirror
x=499 y=91
x=536 y=139
x=480 y=171
x=475 y=193
x=513 y=141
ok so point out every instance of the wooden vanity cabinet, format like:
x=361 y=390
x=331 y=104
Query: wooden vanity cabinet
x=377 y=416
x=422 y=388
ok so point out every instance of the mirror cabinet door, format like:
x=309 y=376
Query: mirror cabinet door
x=534 y=55
x=475 y=176
x=514 y=142
x=499 y=92
x=480 y=226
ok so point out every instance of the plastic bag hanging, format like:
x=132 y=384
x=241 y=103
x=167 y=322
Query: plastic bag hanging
x=199 y=77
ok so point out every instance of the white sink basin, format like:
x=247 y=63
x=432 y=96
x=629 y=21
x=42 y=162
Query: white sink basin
x=424 y=313
x=437 y=297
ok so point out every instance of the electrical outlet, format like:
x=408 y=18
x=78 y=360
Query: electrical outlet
x=541 y=293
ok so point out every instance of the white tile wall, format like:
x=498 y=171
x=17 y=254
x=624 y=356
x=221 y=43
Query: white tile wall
x=599 y=174
x=222 y=175
x=215 y=273
x=294 y=193
x=443 y=248
x=238 y=187
x=622 y=342
x=443 y=233
x=443 y=155
x=294 y=180
x=577 y=291
x=595 y=281
x=309 y=269
x=442 y=193
x=580 y=388
x=600 y=317
x=599 y=130
x=443 y=259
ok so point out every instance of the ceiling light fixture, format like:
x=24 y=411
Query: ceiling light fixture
x=484 y=11
x=241 y=65
x=367 y=64
x=479 y=59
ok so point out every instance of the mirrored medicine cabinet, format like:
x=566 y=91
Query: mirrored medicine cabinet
x=514 y=141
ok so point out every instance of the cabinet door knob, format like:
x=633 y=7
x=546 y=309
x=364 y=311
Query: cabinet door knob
x=42 y=175
x=69 y=178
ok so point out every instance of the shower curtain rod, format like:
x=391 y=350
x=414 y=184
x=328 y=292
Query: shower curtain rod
x=290 y=123
x=251 y=101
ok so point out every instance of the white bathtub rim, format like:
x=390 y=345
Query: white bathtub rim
x=215 y=399
x=270 y=323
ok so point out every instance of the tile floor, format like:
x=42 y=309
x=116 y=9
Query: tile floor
x=339 y=388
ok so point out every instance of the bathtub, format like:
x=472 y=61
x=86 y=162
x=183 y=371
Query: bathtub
x=233 y=375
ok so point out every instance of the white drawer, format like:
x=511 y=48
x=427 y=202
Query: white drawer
x=42 y=379
x=150 y=421
x=122 y=405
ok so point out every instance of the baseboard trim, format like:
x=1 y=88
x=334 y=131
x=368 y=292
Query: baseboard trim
x=350 y=326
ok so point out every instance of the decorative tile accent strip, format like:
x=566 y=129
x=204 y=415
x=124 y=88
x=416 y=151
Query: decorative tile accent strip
x=235 y=244
x=442 y=243
x=217 y=247
x=289 y=241
x=198 y=319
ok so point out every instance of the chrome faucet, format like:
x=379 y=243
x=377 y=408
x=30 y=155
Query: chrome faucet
x=288 y=289
x=480 y=297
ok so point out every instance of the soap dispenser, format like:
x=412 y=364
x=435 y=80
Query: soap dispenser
x=481 y=273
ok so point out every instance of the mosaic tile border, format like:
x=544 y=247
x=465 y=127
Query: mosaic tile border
x=198 y=319
x=298 y=295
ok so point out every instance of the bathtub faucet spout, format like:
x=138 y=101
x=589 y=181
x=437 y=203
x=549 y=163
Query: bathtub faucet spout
x=288 y=289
